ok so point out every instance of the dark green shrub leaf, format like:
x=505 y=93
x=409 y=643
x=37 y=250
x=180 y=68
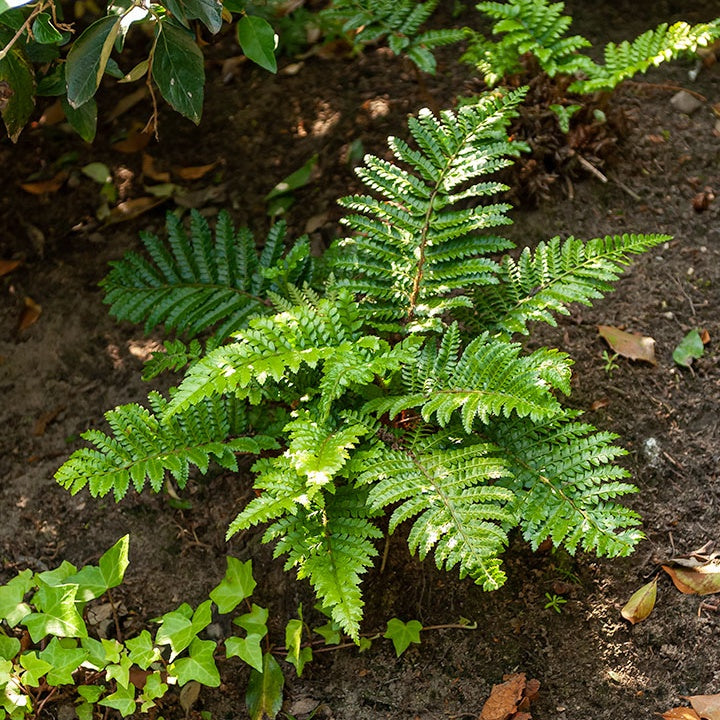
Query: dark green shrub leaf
x=82 y=119
x=265 y=690
x=44 y=31
x=257 y=40
x=17 y=91
x=209 y=12
x=178 y=70
x=690 y=348
x=53 y=83
x=87 y=59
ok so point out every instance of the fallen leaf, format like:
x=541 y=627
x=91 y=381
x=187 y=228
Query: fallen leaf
x=690 y=348
x=46 y=186
x=599 y=404
x=139 y=677
x=705 y=336
x=641 y=603
x=201 y=198
x=131 y=209
x=681 y=713
x=700 y=580
x=504 y=698
x=195 y=172
x=52 y=115
x=149 y=169
x=135 y=141
x=7 y=266
x=45 y=419
x=127 y=102
x=189 y=695
x=629 y=345
x=706 y=706
x=316 y=222
x=30 y=314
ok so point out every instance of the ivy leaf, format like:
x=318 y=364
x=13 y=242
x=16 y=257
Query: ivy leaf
x=248 y=649
x=154 y=688
x=44 y=31
x=237 y=585
x=330 y=632
x=123 y=700
x=402 y=634
x=95 y=580
x=690 y=348
x=17 y=91
x=178 y=70
x=59 y=616
x=297 y=655
x=200 y=665
x=257 y=41
x=9 y=647
x=254 y=622
x=87 y=59
x=120 y=672
x=142 y=651
x=64 y=660
x=35 y=668
x=265 y=690
x=12 y=607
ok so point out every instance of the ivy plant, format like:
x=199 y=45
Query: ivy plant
x=385 y=380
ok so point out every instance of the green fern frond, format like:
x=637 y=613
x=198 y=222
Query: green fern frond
x=527 y=26
x=652 y=48
x=192 y=283
x=397 y=20
x=489 y=379
x=414 y=254
x=564 y=483
x=447 y=486
x=545 y=281
x=143 y=446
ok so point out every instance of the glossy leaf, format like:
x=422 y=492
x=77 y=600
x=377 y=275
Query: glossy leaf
x=122 y=700
x=17 y=90
x=142 y=650
x=209 y=12
x=64 y=660
x=44 y=31
x=248 y=649
x=93 y=581
x=12 y=607
x=265 y=690
x=59 y=616
x=641 y=603
x=87 y=59
x=178 y=70
x=297 y=655
x=257 y=40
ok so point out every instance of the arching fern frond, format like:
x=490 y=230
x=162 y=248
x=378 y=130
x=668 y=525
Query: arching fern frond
x=143 y=446
x=447 y=485
x=193 y=283
x=652 y=48
x=544 y=281
x=564 y=484
x=414 y=254
x=397 y=20
x=489 y=379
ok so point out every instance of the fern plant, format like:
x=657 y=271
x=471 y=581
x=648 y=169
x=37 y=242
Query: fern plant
x=394 y=386
x=398 y=21
x=538 y=28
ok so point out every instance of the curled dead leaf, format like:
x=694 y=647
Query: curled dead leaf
x=680 y=713
x=510 y=700
x=629 y=345
x=641 y=603
x=704 y=336
x=45 y=186
x=698 y=580
x=706 y=706
x=195 y=172
x=7 y=266
x=127 y=102
x=189 y=695
x=52 y=115
x=131 y=209
x=149 y=169
x=135 y=141
x=30 y=314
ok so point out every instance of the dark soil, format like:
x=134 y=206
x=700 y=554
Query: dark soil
x=59 y=375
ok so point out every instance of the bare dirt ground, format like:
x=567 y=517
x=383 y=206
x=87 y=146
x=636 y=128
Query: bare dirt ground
x=59 y=375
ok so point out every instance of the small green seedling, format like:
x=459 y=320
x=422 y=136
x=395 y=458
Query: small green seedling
x=610 y=362
x=554 y=602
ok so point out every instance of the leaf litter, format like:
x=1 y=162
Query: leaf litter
x=630 y=345
x=510 y=699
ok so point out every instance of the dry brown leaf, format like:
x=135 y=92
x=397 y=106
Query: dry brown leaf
x=30 y=314
x=629 y=345
x=135 y=141
x=504 y=698
x=127 y=102
x=45 y=186
x=130 y=209
x=149 y=169
x=7 y=266
x=706 y=706
x=189 y=695
x=681 y=713
x=45 y=419
x=196 y=172
x=641 y=603
x=316 y=222
x=599 y=404
x=704 y=336
x=700 y=580
x=702 y=200
x=52 y=115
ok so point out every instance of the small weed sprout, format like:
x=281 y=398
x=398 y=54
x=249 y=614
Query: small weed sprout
x=554 y=602
x=610 y=362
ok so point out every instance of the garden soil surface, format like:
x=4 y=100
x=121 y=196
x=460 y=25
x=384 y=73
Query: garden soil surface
x=62 y=369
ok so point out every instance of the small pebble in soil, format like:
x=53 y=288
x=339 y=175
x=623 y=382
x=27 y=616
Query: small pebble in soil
x=651 y=448
x=684 y=102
